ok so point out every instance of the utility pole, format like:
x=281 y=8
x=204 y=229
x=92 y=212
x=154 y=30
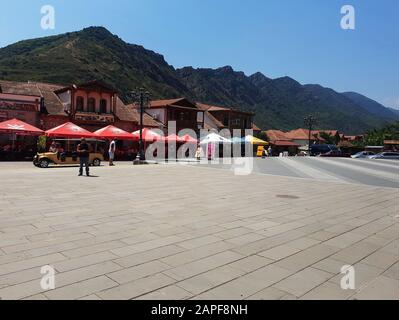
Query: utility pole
x=310 y=120
x=141 y=99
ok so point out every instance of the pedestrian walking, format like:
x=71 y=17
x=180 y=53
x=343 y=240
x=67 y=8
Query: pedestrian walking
x=111 y=152
x=270 y=151
x=84 y=153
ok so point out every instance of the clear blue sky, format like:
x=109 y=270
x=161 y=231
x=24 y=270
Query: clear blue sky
x=298 y=38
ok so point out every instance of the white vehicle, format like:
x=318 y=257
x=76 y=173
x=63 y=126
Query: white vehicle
x=386 y=155
x=363 y=155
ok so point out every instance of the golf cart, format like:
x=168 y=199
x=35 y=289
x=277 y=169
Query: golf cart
x=64 y=155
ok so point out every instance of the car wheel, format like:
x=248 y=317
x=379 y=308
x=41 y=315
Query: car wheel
x=44 y=163
x=96 y=162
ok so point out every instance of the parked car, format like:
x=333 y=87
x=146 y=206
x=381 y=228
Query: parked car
x=363 y=155
x=335 y=154
x=386 y=155
x=318 y=149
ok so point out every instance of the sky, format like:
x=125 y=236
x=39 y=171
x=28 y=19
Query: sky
x=302 y=39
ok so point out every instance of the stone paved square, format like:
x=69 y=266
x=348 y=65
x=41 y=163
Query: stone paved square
x=193 y=232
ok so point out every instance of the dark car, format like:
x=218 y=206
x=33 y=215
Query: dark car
x=318 y=149
x=335 y=154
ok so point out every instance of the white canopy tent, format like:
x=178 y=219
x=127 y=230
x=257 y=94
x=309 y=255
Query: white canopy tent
x=214 y=138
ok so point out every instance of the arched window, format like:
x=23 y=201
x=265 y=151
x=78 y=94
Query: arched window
x=103 y=106
x=79 y=103
x=91 y=105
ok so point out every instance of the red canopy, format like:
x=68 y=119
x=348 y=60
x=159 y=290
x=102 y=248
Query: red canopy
x=148 y=135
x=189 y=139
x=174 y=138
x=111 y=132
x=69 y=130
x=19 y=127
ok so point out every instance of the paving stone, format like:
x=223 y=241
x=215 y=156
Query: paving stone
x=382 y=288
x=303 y=281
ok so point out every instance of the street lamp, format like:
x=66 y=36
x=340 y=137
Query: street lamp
x=141 y=99
x=310 y=120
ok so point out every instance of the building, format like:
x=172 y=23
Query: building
x=92 y=105
x=301 y=137
x=185 y=113
x=216 y=117
x=391 y=145
x=279 y=142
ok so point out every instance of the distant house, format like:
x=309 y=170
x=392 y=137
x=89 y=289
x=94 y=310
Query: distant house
x=281 y=143
x=216 y=117
x=391 y=145
x=333 y=134
x=185 y=113
x=301 y=137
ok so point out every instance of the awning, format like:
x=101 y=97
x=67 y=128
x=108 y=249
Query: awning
x=214 y=138
x=174 y=138
x=189 y=139
x=255 y=141
x=19 y=127
x=112 y=132
x=148 y=135
x=70 y=130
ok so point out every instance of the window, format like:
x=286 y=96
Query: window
x=103 y=106
x=79 y=103
x=91 y=105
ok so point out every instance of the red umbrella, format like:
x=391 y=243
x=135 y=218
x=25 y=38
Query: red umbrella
x=189 y=139
x=173 y=138
x=111 y=132
x=69 y=130
x=19 y=127
x=148 y=135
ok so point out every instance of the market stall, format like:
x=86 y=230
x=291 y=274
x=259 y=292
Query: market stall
x=15 y=128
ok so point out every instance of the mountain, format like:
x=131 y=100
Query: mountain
x=280 y=103
x=395 y=111
x=371 y=106
x=95 y=53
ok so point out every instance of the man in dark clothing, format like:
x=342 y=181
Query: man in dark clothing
x=83 y=152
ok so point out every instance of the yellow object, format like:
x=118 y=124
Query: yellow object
x=256 y=141
x=260 y=151
x=43 y=160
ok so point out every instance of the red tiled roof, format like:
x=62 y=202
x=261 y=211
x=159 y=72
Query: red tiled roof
x=164 y=103
x=210 y=108
x=130 y=113
x=299 y=134
x=274 y=135
x=45 y=90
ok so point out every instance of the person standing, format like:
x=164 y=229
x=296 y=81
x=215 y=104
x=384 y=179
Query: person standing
x=111 y=152
x=84 y=153
x=270 y=151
